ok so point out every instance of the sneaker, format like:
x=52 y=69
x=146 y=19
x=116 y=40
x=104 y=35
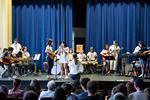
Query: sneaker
x=66 y=77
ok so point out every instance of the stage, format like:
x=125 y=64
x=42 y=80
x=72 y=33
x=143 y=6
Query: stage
x=105 y=82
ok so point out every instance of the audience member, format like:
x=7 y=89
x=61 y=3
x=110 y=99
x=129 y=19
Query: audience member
x=51 y=85
x=4 y=89
x=59 y=94
x=119 y=96
x=68 y=88
x=30 y=95
x=121 y=88
x=3 y=96
x=83 y=83
x=113 y=92
x=139 y=94
x=92 y=88
x=36 y=84
x=147 y=91
x=16 y=91
x=130 y=87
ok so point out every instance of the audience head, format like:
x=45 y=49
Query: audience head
x=119 y=96
x=130 y=87
x=59 y=94
x=147 y=91
x=113 y=91
x=92 y=88
x=4 y=89
x=16 y=84
x=3 y=96
x=30 y=95
x=75 y=85
x=121 y=88
x=51 y=85
x=36 y=84
x=84 y=82
x=138 y=84
x=67 y=88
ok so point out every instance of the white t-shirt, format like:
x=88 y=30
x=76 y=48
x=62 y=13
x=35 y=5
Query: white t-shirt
x=16 y=47
x=63 y=56
x=26 y=54
x=74 y=68
x=92 y=56
x=81 y=57
x=114 y=50
x=49 y=48
x=136 y=50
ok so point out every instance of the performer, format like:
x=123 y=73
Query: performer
x=92 y=60
x=63 y=54
x=82 y=59
x=105 y=52
x=114 y=51
x=50 y=57
x=16 y=46
x=26 y=57
x=74 y=66
x=140 y=51
x=70 y=55
x=7 y=59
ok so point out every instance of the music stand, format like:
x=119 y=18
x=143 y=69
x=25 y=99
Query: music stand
x=36 y=58
x=109 y=58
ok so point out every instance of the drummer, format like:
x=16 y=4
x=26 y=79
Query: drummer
x=92 y=60
x=82 y=59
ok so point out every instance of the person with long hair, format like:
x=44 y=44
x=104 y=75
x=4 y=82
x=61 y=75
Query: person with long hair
x=50 y=57
x=74 y=67
x=16 y=91
x=36 y=84
x=63 y=51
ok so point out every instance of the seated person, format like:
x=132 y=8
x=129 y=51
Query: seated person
x=92 y=60
x=51 y=85
x=82 y=58
x=26 y=57
x=7 y=61
x=92 y=88
x=105 y=52
x=16 y=91
x=83 y=84
x=68 y=88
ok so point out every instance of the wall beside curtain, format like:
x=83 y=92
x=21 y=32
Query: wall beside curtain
x=121 y=20
x=34 y=22
x=5 y=23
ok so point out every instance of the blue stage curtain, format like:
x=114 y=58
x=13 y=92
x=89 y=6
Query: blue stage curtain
x=121 y=20
x=34 y=23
